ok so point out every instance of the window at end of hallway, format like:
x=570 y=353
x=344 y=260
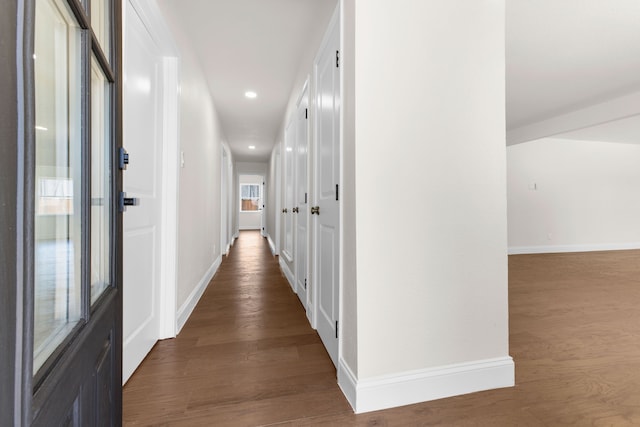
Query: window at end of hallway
x=250 y=197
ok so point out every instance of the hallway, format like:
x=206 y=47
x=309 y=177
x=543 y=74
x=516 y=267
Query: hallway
x=247 y=356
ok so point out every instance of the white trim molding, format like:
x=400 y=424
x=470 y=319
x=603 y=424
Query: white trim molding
x=287 y=273
x=272 y=245
x=347 y=382
x=522 y=250
x=407 y=388
x=170 y=192
x=185 y=310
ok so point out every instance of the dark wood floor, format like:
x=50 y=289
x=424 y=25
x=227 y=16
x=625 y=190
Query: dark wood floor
x=247 y=356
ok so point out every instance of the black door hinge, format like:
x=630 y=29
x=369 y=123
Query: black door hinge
x=306 y=113
x=123 y=158
x=337 y=59
x=305 y=198
x=337 y=188
x=336 y=329
x=305 y=283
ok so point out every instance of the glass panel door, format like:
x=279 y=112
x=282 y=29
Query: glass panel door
x=101 y=24
x=58 y=180
x=100 y=181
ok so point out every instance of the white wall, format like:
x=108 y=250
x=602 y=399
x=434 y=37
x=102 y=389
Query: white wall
x=201 y=141
x=567 y=195
x=430 y=180
x=250 y=220
x=349 y=296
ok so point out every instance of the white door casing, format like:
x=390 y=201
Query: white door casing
x=278 y=200
x=301 y=198
x=326 y=189
x=289 y=144
x=224 y=200
x=142 y=233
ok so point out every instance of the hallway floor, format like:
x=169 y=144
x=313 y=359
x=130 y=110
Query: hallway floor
x=247 y=356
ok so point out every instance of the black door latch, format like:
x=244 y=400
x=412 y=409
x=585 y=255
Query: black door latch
x=127 y=201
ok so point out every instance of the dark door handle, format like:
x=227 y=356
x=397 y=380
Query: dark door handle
x=127 y=201
x=315 y=210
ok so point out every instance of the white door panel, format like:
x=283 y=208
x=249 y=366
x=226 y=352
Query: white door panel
x=327 y=169
x=301 y=202
x=289 y=194
x=142 y=179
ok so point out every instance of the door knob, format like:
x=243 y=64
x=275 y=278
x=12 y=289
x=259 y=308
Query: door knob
x=285 y=210
x=315 y=210
x=295 y=210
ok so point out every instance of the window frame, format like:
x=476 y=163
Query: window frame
x=259 y=198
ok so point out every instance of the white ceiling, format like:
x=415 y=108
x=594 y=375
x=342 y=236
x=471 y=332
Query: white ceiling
x=625 y=130
x=251 y=45
x=561 y=55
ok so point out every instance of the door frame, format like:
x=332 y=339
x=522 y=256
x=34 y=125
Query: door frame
x=305 y=93
x=225 y=190
x=278 y=200
x=152 y=18
x=12 y=214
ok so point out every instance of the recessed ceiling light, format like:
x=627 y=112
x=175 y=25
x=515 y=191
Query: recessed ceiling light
x=250 y=94
x=252 y=147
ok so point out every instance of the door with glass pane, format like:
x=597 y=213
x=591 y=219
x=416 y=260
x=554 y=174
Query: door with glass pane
x=73 y=295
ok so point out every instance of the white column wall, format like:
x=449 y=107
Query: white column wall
x=430 y=185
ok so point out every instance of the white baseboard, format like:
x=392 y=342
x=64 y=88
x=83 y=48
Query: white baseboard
x=428 y=384
x=272 y=245
x=520 y=250
x=189 y=305
x=347 y=382
x=288 y=274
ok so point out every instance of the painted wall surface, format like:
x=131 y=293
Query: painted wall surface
x=348 y=314
x=201 y=141
x=567 y=195
x=249 y=220
x=430 y=149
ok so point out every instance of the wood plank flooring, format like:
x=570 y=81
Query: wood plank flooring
x=247 y=356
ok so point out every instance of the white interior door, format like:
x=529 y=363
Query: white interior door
x=326 y=194
x=301 y=199
x=142 y=108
